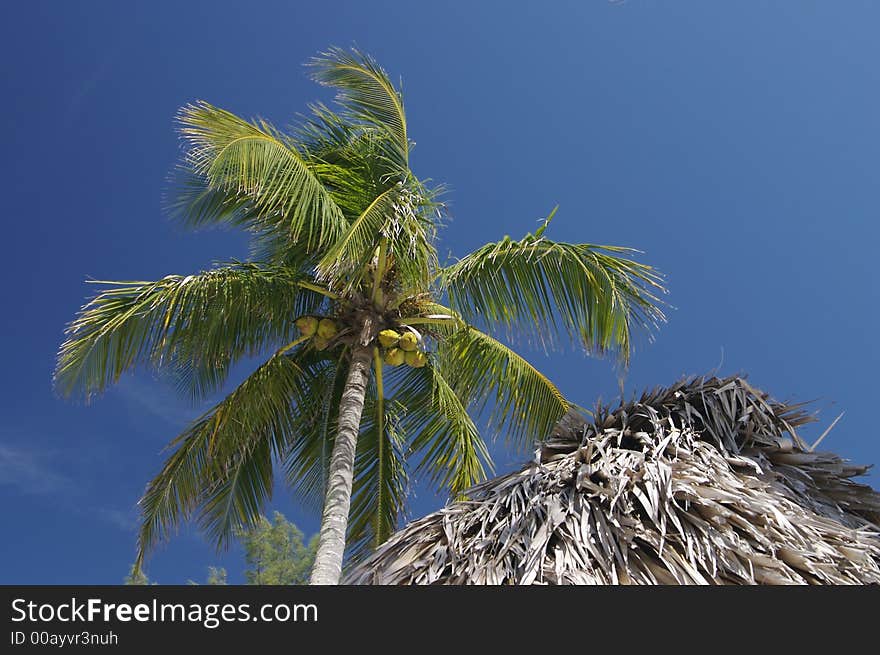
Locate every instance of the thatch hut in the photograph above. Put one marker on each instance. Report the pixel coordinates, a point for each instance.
(704, 482)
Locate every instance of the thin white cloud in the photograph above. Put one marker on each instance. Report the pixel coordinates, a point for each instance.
(30, 472)
(34, 472)
(86, 86)
(156, 398)
(124, 520)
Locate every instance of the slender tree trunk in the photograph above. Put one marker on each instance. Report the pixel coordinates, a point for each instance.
(334, 521)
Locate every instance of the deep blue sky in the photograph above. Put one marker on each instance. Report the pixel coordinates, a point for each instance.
(736, 144)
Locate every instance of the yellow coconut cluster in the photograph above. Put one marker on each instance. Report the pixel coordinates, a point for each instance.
(402, 348)
(321, 330)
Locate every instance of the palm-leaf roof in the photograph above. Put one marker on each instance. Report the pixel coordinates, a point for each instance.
(703, 482)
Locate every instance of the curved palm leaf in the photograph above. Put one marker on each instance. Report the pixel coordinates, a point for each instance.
(235, 496)
(223, 461)
(307, 460)
(538, 286)
(443, 436)
(195, 202)
(346, 260)
(390, 221)
(256, 162)
(411, 234)
(367, 94)
(525, 405)
(199, 324)
(347, 158)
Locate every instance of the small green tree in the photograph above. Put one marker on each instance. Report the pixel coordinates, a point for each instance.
(137, 577)
(276, 553)
(216, 575)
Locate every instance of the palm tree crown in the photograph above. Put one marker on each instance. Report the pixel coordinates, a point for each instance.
(378, 353)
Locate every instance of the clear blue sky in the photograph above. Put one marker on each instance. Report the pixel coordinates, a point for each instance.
(737, 144)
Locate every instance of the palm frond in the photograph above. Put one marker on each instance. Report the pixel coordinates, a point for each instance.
(411, 234)
(196, 324)
(348, 158)
(537, 287)
(347, 258)
(443, 437)
(306, 463)
(256, 164)
(326, 135)
(234, 501)
(390, 219)
(193, 201)
(524, 404)
(367, 94)
(223, 461)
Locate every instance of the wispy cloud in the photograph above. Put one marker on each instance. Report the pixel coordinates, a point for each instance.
(157, 399)
(36, 472)
(122, 519)
(30, 471)
(85, 86)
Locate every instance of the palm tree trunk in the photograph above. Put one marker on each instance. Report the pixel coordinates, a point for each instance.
(334, 521)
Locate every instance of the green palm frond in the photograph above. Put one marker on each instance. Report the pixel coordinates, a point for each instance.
(195, 202)
(368, 96)
(255, 162)
(197, 324)
(390, 221)
(352, 186)
(326, 135)
(443, 437)
(346, 259)
(307, 461)
(347, 158)
(537, 287)
(223, 461)
(411, 235)
(235, 498)
(525, 405)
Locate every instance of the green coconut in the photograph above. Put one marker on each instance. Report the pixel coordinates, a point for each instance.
(320, 343)
(308, 325)
(408, 341)
(394, 357)
(416, 358)
(327, 328)
(388, 338)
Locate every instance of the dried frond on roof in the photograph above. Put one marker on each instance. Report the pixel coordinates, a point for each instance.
(705, 482)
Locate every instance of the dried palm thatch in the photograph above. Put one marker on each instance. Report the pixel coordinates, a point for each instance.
(705, 482)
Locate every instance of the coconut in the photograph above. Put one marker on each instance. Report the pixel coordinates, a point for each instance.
(320, 342)
(308, 325)
(327, 328)
(394, 356)
(388, 338)
(408, 341)
(416, 358)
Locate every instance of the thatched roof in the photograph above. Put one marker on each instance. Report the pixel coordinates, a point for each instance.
(705, 482)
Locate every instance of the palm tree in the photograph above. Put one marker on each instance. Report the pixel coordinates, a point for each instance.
(343, 286)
